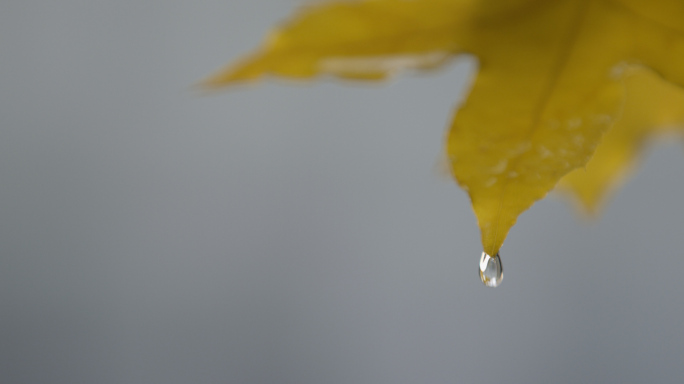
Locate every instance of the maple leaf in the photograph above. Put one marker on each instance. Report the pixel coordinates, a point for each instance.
(653, 108)
(550, 79)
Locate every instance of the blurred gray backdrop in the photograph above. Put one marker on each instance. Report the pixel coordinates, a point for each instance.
(283, 233)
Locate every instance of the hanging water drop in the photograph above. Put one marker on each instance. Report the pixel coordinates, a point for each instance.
(491, 270)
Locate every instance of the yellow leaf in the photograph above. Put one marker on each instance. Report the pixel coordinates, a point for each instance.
(549, 84)
(357, 39)
(653, 107)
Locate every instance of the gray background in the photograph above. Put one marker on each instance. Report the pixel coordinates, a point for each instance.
(289, 234)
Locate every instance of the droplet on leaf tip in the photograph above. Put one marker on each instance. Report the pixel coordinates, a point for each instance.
(491, 270)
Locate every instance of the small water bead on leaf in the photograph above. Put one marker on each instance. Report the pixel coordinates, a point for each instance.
(574, 123)
(491, 270)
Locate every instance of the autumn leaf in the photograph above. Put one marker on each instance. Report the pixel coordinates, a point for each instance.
(551, 78)
(653, 108)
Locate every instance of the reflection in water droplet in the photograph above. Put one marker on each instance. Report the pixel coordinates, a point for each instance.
(491, 270)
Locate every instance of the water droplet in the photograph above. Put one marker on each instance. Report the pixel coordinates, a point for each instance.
(544, 152)
(490, 182)
(578, 140)
(491, 270)
(574, 123)
(500, 167)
